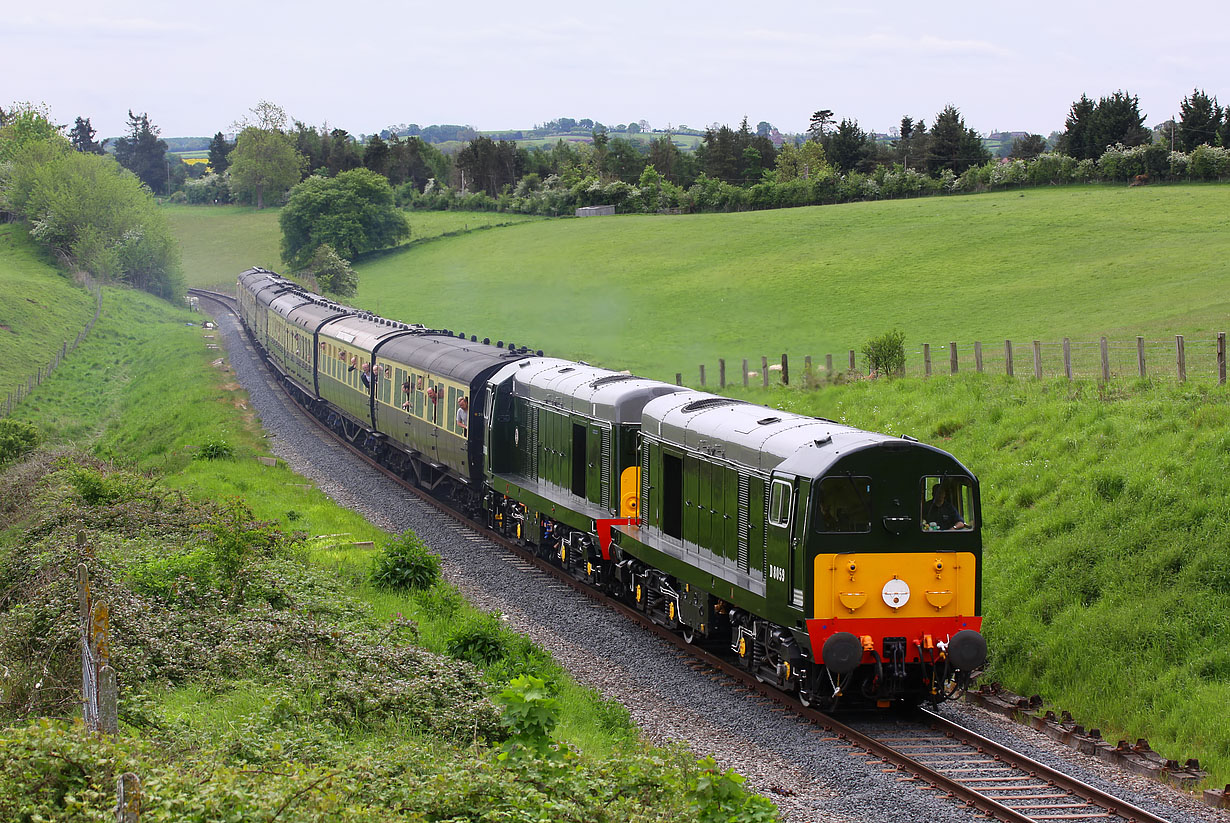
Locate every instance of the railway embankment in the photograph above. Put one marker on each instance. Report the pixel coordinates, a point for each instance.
(260, 673)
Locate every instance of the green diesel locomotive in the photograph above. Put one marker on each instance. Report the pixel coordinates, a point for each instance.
(841, 565)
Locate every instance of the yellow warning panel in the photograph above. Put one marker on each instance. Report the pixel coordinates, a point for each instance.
(630, 492)
(918, 584)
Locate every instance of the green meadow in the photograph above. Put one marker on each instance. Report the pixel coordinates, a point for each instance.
(661, 294)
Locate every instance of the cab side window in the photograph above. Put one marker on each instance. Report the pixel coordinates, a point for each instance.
(779, 503)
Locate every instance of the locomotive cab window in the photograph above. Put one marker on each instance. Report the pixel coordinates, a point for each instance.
(947, 503)
(843, 505)
(779, 503)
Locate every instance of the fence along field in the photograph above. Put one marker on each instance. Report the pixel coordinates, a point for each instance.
(1181, 359)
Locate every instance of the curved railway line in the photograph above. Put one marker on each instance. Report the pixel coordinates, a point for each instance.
(925, 747)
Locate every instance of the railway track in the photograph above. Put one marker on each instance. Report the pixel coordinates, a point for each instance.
(924, 746)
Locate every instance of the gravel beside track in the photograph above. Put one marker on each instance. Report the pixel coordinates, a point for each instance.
(810, 777)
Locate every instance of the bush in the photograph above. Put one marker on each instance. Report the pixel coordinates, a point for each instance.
(16, 439)
(214, 448)
(479, 641)
(406, 563)
(886, 354)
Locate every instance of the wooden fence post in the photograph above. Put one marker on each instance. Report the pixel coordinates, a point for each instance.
(852, 364)
(745, 372)
(1037, 359)
(108, 714)
(952, 357)
(785, 371)
(807, 363)
(678, 379)
(828, 365)
(128, 793)
(1180, 357)
(722, 372)
(702, 375)
(978, 356)
(927, 359)
(1221, 358)
(1008, 357)
(1105, 360)
(1140, 355)
(764, 370)
(1067, 358)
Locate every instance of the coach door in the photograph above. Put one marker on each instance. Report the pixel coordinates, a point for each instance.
(784, 562)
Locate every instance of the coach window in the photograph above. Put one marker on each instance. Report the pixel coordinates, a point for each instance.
(779, 503)
(843, 505)
(947, 503)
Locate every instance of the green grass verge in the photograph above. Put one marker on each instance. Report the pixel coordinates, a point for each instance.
(40, 308)
(1106, 510)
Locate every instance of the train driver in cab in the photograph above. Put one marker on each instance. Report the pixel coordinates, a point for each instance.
(940, 512)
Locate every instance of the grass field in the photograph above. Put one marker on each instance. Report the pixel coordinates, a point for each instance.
(218, 242)
(40, 308)
(660, 294)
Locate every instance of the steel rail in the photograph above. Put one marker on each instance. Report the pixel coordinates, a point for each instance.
(966, 794)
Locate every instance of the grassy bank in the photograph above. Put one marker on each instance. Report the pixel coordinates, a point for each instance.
(1106, 513)
(40, 308)
(222, 624)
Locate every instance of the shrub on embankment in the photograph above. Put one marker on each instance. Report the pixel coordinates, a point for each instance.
(1106, 514)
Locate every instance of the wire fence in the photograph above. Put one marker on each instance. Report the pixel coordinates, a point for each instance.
(25, 388)
(1180, 359)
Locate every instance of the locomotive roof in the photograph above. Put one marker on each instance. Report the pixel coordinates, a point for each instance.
(616, 397)
(761, 438)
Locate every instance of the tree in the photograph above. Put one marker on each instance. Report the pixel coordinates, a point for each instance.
(82, 137)
(486, 165)
(143, 153)
(87, 207)
(1091, 128)
(1116, 119)
(353, 212)
(219, 151)
(1028, 147)
(264, 163)
(1199, 120)
(764, 128)
(332, 273)
(376, 156)
(911, 142)
(1075, 139)
(849, 147)
(805, 162)
(819, 122)
(952, 145)
(24, 124)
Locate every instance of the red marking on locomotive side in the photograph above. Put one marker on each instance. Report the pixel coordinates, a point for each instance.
(603, 529)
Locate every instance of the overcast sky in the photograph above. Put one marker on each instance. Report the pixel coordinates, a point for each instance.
(366, 65)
